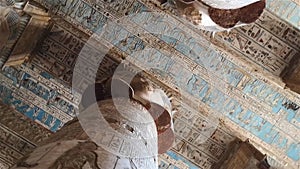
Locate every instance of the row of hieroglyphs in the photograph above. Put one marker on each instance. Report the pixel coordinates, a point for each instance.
(18, 135)
(238, 93)
(59, 51)
(209, 151)
(41, 89)
(274, 61)
(286, 10)
(268, 42)
(257, 90)
(27, 99)
(205, 153)
(83, 13)
(12, 147)
(40, 95)
(22, 126)
(200, 139)
(171, 160)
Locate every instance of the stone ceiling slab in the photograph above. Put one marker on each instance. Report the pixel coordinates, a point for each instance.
(206, 76)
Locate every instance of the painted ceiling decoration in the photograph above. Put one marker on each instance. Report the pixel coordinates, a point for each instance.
(17, 138)
(139, 128)
(234, 76)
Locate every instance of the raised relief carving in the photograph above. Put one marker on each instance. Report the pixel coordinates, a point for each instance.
(22, 125)
(33, 30)
(78, 157)
(18, 135)
(58, 63)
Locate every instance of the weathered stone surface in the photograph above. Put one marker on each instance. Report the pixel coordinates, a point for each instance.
(224, 82)
(18, 135)
(34, 31)
(17, 20)
(292, 76)
(243, 155)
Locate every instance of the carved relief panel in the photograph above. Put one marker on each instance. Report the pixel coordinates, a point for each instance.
(18, 136)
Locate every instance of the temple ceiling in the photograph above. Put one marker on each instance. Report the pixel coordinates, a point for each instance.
(234, 76)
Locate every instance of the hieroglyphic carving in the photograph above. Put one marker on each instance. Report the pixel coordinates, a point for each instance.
(173, 160)
(22, 125)
(18, 135)
(28, 104)
(200, 132)
(218, 64)
(193, 154)
(182, 81)
(53, 96)
(274, 68)
(9, 154)
(207, 99)
(48, 80)
(16, 142)
(268, 46)
(59, 52)
(287, 10)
